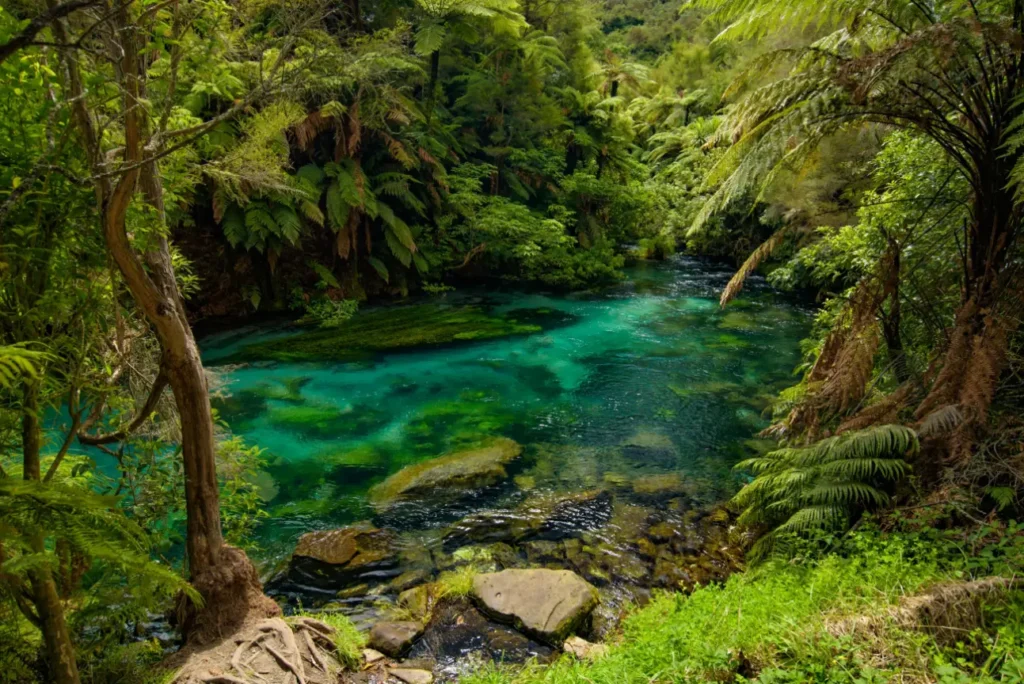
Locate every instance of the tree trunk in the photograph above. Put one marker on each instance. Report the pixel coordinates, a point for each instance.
(892, 319)
(30, 431)
(60, 653)
(223, 575)
(357, 15)
(435, 68)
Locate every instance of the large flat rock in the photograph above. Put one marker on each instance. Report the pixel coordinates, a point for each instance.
(448, 476)
(546, 604)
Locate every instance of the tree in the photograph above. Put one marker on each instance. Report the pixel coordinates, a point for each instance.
(444, 19)
(951, 72)
(140, 56)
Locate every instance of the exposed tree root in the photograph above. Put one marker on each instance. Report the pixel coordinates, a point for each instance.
(268, 651)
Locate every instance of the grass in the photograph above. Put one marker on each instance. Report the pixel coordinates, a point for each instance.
(348, 640)
(777, 624)
(455, 583)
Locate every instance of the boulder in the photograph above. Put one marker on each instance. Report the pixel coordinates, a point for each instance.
(394, 638)
(448, 476)
(546, 604)
(411, 676)
(336, 557)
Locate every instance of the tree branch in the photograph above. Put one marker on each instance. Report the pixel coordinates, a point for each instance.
(28, 34)
(159, 383)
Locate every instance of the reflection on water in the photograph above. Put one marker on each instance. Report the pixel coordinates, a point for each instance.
(649, 380)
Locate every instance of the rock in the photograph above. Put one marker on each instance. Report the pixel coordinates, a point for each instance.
(371, 656)
(649, 439)
(409, 579)
(545, 516)
(410, 676)
(458, 633)
(416, 600)
(448, 476)
(330, 557)
(583, 649)
(394, 638)
(546, 604)
(666, 485)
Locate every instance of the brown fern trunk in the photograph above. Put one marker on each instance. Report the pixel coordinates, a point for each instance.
(975, 351)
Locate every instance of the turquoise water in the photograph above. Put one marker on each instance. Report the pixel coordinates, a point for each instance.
(651, 377)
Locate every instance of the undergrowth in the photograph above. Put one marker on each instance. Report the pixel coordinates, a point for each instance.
(777, 622)
(348, 640)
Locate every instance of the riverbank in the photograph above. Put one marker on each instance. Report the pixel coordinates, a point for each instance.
(906, 606)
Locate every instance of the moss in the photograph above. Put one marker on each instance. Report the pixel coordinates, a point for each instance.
(326, 421)
(387, 329)
(450, 474)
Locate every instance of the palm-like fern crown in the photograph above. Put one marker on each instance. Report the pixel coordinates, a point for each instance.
(948, 70)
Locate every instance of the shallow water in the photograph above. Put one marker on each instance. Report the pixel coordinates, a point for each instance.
(648, 378)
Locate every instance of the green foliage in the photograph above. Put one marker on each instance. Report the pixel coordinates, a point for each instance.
(797, 490)
(778, 623)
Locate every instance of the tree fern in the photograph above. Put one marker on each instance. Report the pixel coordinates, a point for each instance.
(81, 531)
(18, 362)
(824, 485)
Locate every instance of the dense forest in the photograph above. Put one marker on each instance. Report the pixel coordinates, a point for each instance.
(349, 169)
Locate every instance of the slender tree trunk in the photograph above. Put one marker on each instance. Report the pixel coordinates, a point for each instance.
(435, 68)
(357, 15)
(892, 319)
(30, 431)
(60, 652)
(222, 574)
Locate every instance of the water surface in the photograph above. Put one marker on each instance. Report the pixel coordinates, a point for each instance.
(651, 377)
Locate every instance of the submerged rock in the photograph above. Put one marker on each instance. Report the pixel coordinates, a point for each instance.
(448, 476)
(394, 638)
(546, 604)
(545, 516)
(340, 556)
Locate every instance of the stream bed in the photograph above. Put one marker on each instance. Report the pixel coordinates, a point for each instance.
(626, 410)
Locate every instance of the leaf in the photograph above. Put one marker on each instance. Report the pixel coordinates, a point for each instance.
(429, 39)
(381, 269)
(337, 207)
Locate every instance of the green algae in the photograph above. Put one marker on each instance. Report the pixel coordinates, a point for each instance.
(390, 329)
(324, 421)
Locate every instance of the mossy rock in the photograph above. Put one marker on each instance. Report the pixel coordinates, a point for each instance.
(387, 329)
(343, 556)
(448, 476)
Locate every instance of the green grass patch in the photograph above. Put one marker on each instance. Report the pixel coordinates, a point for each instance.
(772, 624)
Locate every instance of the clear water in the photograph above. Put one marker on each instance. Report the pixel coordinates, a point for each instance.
(651, 377)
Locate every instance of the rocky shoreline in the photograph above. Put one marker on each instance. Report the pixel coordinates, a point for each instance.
(555, 573)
